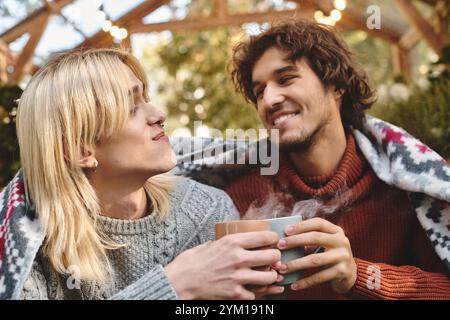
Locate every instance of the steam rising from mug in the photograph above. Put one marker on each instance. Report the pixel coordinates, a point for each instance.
(274, 206)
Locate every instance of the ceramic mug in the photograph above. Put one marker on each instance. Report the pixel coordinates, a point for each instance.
(277, 225)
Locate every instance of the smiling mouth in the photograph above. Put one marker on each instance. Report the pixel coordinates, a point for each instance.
(284, 117)
(159, 136)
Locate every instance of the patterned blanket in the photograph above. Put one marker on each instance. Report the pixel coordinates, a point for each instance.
(396, 157)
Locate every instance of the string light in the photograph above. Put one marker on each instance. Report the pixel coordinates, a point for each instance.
(107, 24)
(327, 20)
(336, 15)
(121, 34)
(318, 15)
(340, 4)
(114, 31)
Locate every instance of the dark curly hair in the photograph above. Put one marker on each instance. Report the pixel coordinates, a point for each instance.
(326, 53)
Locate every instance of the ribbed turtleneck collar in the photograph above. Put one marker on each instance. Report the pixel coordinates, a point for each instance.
(350, 180)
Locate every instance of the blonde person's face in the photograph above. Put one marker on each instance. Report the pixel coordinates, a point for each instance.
(142, 149)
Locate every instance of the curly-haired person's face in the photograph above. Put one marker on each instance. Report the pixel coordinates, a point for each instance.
(141, 149)
(290, 97)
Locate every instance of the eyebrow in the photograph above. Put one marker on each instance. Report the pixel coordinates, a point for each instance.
(135, 88)
(287, 68)
(277, 72)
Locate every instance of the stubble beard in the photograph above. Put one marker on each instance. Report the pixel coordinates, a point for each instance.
(304, 141)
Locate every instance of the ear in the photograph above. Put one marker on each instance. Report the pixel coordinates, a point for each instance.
(337, 96)
(87, 159)
(338, 93)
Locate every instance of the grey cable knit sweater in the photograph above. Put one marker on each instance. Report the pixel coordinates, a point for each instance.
(138, 271)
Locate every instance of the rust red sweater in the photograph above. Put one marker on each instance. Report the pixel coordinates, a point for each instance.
(395, 259)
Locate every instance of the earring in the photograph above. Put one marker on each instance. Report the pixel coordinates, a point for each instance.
(95, 166)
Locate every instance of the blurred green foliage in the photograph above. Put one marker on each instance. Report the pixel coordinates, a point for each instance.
(9, 149)
(197, 85)
(426, 113)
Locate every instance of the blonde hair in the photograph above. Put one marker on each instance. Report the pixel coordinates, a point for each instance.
(76, 100)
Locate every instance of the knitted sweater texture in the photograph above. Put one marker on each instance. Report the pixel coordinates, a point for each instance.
(138, 268)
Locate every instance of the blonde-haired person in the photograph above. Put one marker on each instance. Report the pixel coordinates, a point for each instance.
(95, 160)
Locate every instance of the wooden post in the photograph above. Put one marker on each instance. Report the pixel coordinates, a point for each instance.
(220, 8)
(5, 59)
(400, 61)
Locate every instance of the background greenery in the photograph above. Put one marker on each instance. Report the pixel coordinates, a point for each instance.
(426, 113)
(9, 155)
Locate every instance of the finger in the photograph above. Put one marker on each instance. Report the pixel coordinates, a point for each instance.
(252, 240)
(313, 249)
(313, 261)
(309, 239)
(261, 289)
(258, 258)
(314, 224)
(244, 294)
(253, 277)
(314, 280)
(277, 265)
(268, 290)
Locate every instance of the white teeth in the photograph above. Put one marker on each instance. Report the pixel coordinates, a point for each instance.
(284, 117)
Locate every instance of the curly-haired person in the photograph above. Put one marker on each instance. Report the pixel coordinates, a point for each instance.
(304, 82)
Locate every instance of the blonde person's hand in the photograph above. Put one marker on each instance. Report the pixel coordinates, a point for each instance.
(336, 263)
(222, 269)
(262, 291)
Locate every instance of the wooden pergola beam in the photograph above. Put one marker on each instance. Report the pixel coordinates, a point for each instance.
(24, 26)
(350, 20)
(37, 28)
(400, 61)
(5, 60)
(429, 2)
(102, 38)
(434, 40)
(197, 23)
(353, 20)
(35, 25)
(410, 39)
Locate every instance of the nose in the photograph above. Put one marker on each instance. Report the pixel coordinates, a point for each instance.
(155, 116)
(272, 96)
